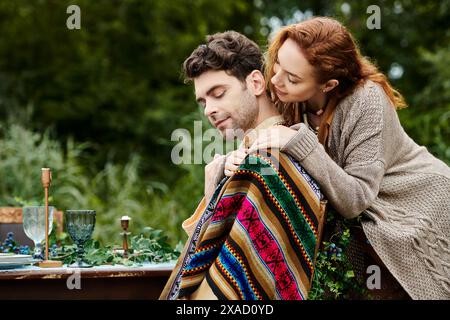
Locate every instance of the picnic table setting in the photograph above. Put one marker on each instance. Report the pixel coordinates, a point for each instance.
(142, 263)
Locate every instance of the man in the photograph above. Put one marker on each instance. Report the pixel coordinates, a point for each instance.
(255, 235)
(233, 96)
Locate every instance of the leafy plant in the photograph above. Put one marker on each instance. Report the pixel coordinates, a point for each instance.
(334, 277)
(148, 246)
(22, 155)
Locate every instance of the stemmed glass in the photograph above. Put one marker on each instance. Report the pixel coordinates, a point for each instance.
(80, 225)
(33, 219)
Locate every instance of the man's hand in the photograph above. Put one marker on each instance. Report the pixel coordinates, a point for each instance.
(213, 175)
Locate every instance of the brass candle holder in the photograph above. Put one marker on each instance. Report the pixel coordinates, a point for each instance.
(46, 179)
(124, 223)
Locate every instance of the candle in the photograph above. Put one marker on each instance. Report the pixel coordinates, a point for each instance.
(46, 179)
(124, 223)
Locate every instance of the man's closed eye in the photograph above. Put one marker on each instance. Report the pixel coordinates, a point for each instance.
(219, 94)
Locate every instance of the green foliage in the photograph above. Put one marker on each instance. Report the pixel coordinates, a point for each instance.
(118, 191)
(334, 277)
(113, 192)
(432, 126)
(116, 81)
(23, 153)
(148, 246)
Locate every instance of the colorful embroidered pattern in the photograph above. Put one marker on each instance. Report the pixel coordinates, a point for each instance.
(261, 239)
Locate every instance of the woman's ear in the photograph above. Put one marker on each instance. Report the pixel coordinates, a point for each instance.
(330, 85)
(255, 81)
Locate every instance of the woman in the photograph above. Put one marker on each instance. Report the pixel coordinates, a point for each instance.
(349, 138)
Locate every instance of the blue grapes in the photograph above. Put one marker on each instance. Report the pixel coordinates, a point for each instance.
(53, 250)
(334, 250)
(24, 250)
(10, 246)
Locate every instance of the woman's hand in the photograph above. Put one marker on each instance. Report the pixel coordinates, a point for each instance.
(233, 160)
(275, 137)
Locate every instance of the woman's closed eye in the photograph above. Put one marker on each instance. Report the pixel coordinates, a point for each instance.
(289, 77)
(292, 81)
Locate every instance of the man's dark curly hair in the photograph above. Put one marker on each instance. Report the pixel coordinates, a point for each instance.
(229, 51)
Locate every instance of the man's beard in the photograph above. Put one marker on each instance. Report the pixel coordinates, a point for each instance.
(245, 117)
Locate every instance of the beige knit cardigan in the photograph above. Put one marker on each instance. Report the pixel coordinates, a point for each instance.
(374, 168)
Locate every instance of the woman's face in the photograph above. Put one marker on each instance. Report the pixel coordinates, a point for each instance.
(293, 75)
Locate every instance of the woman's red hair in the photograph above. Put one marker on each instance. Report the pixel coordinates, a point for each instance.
(331, 50)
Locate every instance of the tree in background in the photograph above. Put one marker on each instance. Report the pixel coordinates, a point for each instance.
(116, 81)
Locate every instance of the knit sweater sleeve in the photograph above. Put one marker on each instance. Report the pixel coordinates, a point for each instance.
(352, 188)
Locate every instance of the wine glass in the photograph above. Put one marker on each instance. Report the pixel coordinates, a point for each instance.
(33, 219)
(80, 225)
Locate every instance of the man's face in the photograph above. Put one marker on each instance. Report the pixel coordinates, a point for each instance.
(227, 102)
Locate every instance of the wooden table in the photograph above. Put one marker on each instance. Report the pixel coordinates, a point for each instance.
(102, 282)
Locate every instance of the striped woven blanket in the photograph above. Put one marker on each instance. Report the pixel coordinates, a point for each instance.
(257, 238)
